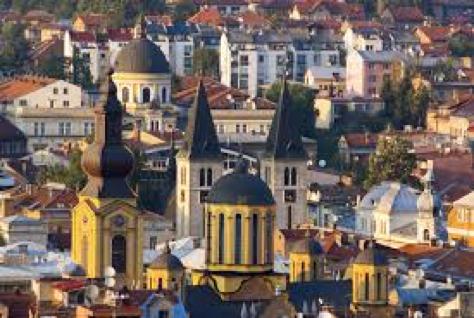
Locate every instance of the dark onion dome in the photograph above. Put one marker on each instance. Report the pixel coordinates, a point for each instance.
(240, 187)
(308, 245)
(371, 256)
(141, 56)
(167, 261)
(74, 270)
(107, 161)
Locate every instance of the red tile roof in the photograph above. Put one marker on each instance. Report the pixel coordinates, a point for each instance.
(93, 20)
(437, 33)
(358, 140)
(252, 19)
(67, 285)
(407, 14)
(77, 36)
(217, 94)
(119, 35)
(19, 86)
(208, 16)
(457, 263)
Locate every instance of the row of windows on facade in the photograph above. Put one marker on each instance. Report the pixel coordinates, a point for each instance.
(146, 95)
(221, 129)
(301, 59)
(238, 241)
(52, 103)
(64, 128)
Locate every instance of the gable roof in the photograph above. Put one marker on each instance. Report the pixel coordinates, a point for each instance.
(284, 139)
(201, 138)
(209, 16)
(20, 86)
(407, 14)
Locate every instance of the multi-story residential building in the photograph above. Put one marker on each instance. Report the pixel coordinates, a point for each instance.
(250, 60)
(316, 10)
(176, 43)
(47, 111)
(367, 70)
(96, 53)
(460, 220)
(401, 41)
(363, 37)
(326, 80)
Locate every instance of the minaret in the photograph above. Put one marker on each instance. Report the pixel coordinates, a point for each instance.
(107, 161)
(284, 164)
(199, 164)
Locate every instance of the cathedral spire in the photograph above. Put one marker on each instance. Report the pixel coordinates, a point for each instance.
(201, 138)
(284, 140)
(107, 161)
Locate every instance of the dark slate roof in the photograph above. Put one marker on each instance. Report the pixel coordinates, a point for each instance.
(335, 293)
(201, 138)
(141, 56)
(284, 140)
(240, 187)
(371, 256)
(9, 132)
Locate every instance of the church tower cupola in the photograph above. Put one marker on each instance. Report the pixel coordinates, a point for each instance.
(107, 161)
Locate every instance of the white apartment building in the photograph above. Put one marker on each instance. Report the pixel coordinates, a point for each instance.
(248, 61)
(176, 43)
(95, 52)
(48, 111)
(363, 39)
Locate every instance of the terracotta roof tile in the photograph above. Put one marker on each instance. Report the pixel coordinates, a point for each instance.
(119, 35)
(19, 86)
(361, 140)
(437, 33)
(407, 14)
(208, 16)
(77, 36)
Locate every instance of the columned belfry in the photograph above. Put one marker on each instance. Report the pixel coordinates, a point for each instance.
(284, 164)
(199, 164)
(106, 225)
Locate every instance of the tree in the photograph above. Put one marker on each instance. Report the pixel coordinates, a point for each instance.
(392, 160)
(81, 73)
(461, 45)
(72, 176)
(303, 101)
(53, 67)
(184, 9)
(205, 62)
(14, 51)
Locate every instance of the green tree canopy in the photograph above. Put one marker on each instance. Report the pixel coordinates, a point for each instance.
(303, 101)
(461, 45)
(206, 62)
(72, 176)
(52, 67)
(14, 51)
(392, 160)
(184, 9)
(81, 73)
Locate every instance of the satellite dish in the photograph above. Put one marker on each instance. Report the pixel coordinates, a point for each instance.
(322, 163)
(109, 271)
(91, 294)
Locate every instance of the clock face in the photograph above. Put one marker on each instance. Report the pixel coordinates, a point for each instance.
(119, 221)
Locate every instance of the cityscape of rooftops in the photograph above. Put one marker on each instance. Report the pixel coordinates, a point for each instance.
(237, 159)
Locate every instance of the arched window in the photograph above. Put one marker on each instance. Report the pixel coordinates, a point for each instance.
(221, 238)
(146, 95)
(426, 235)
(289, 217)
(293, 176)
(202, 177)
(209, 177)
(238, 239)
(302, 271)
(269, 238)
(255, 239)
(164, 95)
(125, 95)
(379, 286)
(119, 254)
(366, 285)
(287, 176)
